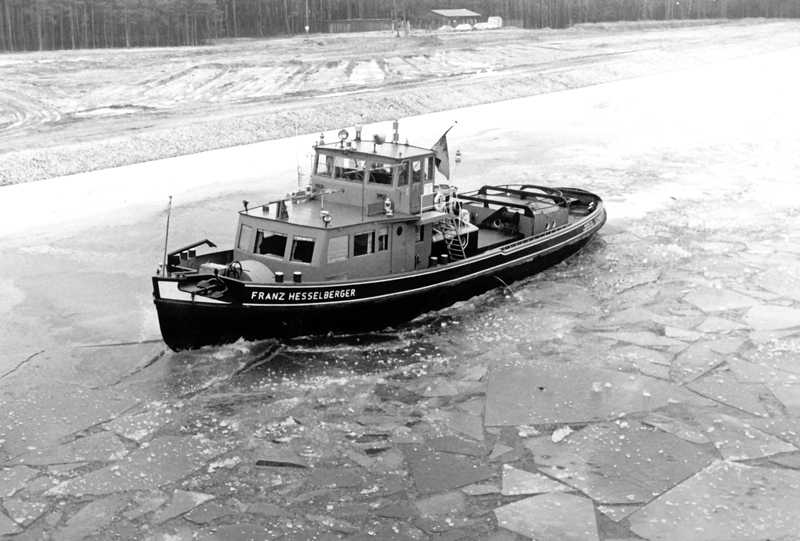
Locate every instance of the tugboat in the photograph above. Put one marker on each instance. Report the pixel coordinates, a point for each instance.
(371, 241)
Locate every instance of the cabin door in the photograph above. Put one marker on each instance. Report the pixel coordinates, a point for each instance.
(399, 247)
(418, 178)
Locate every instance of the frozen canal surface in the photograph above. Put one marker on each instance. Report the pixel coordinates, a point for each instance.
(648, 388)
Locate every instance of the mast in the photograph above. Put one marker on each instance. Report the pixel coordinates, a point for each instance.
(166, 239)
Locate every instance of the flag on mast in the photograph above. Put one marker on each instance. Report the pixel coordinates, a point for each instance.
(442, 157)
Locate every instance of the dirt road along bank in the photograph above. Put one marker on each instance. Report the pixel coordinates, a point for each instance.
(68, 112)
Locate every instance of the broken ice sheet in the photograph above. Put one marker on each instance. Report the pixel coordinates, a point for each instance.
(560, 296)
(747, 372)
(14, 478)
(456, 445)
(100, 447)
(676, 427)
(279, 455)
(550, 517)
(716, 300)
(480, 490)
(462, 422)
(696, 360)
(619, 463)
(723, 387)
(165, 460)
(439, 472)
(783, 280)
(714, 324)
(8, 526)
(182, 502)
(788, 395)
(96, 366)
(439, 387)
(38, 412)
(538, 325)
(209, 512)
(781, 354)
(25, 511)
(787, 429)
(772, 318)
(92, 517)
(531, 392)
(642, 338)
(618, 512)
(140, 426)
(724, 501)
(516, 481)
(739, 440)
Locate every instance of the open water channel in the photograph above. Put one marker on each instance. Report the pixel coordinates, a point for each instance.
(647, 388)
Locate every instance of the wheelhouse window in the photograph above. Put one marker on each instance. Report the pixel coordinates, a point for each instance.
(417, 171)
(347, 168)
(380, 173)
(245, 233)
(302, 249)
(338, 248)
(383, 239)
(324, 165)
(420, 233)
(364, 243)
(402, 174)
(271, 243)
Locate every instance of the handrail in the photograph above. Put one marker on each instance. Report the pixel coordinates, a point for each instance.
(194, 245)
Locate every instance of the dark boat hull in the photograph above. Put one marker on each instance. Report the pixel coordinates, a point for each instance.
(263, 311)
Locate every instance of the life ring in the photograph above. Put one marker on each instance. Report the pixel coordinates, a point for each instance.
(439, 202)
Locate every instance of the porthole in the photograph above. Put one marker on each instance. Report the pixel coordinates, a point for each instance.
(399, 230)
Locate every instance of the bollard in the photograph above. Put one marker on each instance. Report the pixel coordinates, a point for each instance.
(444, 259)
(279, 277)
(433, 261)
(298, 277)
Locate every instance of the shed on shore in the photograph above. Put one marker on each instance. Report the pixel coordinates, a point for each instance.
(454, 17)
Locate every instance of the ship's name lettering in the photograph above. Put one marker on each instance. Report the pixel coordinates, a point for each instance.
(299, 296)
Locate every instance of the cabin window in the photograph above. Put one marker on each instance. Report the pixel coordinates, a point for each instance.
(346, 168)
(363, 243)
(416, 171)
(380, 173)
(338, 248)
(324, 165)
(302, 249)
(420, 233)
(402, 174)
(244, 237)
(271, 243)
(383, 239)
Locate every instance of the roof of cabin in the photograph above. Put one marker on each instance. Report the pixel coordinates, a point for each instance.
(307, 213)
(387, 150)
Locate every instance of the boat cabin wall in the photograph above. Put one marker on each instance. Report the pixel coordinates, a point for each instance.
(366, 250)
(280, 246)
(368, 180)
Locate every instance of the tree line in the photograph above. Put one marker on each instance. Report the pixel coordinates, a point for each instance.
(27, 25)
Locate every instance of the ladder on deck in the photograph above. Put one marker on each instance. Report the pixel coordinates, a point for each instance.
(456, 245)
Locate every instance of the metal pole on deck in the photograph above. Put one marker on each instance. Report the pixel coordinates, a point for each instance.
(166, 239)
